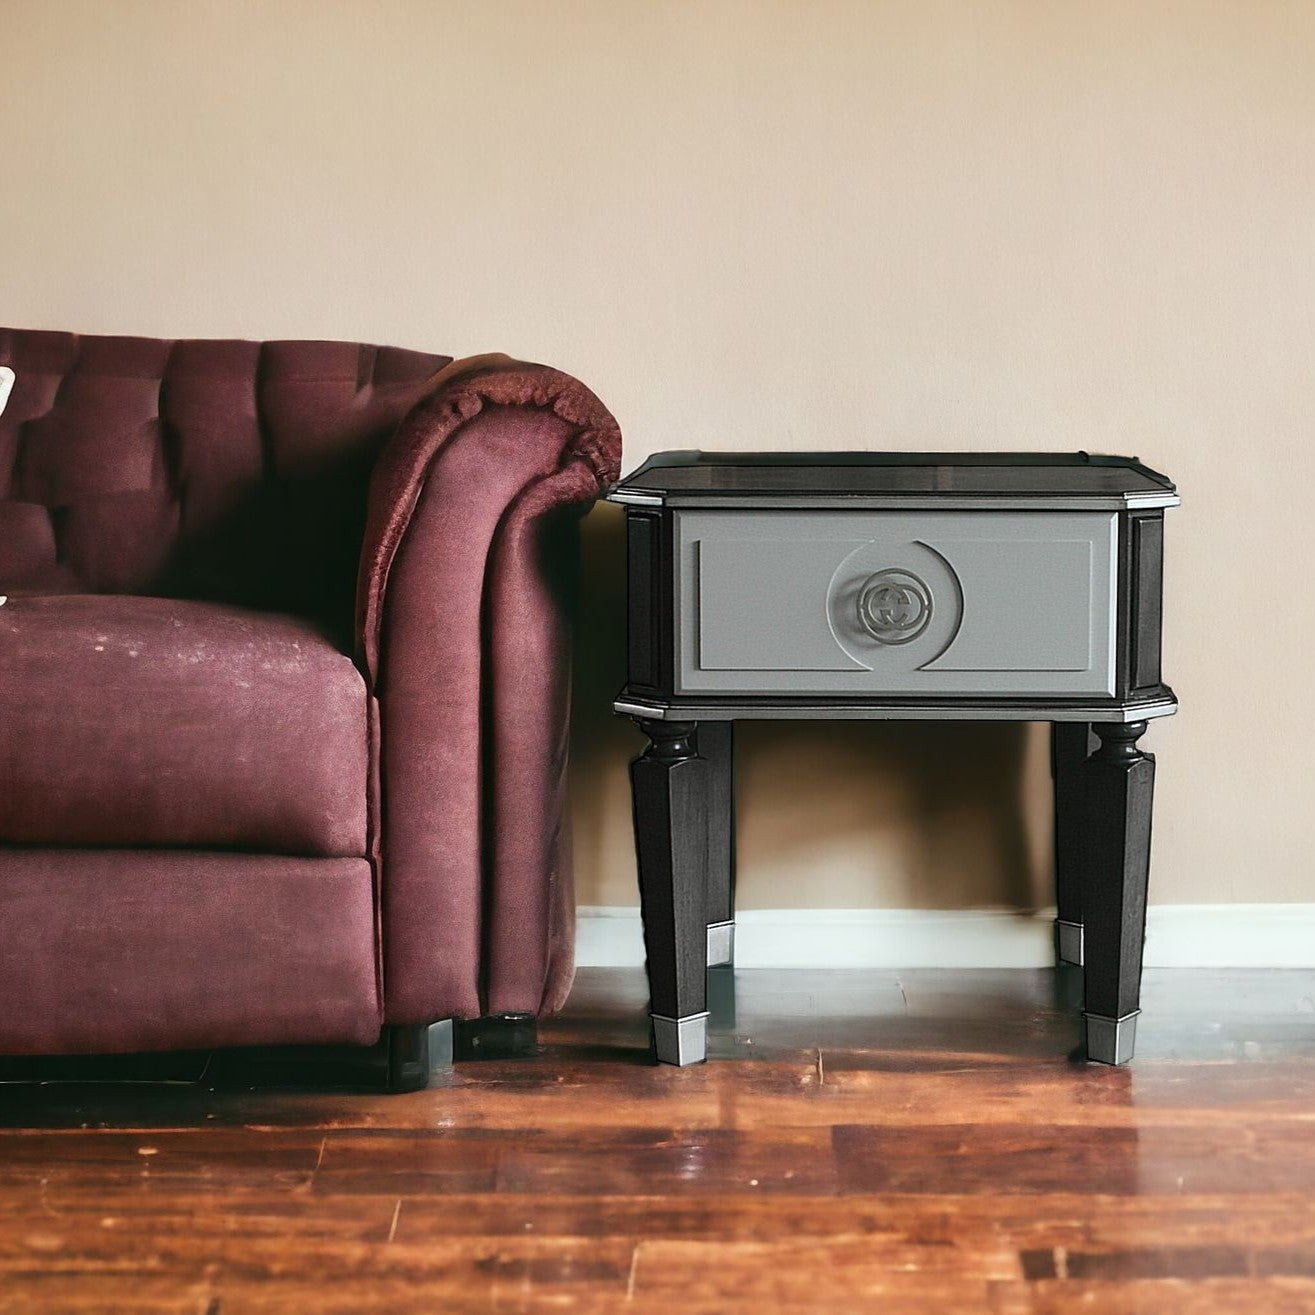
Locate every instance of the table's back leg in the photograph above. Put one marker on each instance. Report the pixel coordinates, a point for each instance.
(1120, 782)
(670, 787)
(716, 746)
(1071, 744)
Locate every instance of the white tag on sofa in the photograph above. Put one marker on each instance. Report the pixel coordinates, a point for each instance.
(6, 383)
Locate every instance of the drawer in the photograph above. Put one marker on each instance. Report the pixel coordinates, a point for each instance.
(896, 603)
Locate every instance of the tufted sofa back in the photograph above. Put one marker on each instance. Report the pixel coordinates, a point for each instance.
(223, 470)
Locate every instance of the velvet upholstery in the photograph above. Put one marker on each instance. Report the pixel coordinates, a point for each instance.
(474, 689)
(112, 950)
(213, 507)
(147, 721)
(231, 471)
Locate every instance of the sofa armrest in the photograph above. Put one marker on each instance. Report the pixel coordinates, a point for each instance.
(467, 572)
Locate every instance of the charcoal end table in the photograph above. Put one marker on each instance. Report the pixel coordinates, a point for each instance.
(916, 586)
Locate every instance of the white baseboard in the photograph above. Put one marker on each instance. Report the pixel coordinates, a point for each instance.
(1177, 936)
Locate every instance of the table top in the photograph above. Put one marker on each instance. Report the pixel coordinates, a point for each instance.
(908, 480)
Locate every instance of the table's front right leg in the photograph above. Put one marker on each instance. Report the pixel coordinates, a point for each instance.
(1119, 788)
(670, 785)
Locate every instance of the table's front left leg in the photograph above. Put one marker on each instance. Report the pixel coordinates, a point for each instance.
(1120, 782)
(670, 786)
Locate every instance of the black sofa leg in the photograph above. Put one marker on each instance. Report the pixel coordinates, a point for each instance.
(498, 1036)
(417, 1051)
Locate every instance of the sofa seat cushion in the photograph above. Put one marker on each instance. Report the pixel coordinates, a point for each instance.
(129, 949)
(151, 722)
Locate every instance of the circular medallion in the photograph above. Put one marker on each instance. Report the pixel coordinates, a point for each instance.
(894, 607)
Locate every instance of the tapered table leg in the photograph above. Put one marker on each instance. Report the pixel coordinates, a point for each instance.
(1071, 744)
(1120, 782)
(671, 794)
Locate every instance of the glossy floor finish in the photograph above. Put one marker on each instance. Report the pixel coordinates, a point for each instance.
(905, 1142)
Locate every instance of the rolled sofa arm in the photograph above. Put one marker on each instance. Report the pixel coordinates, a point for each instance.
(463, 601)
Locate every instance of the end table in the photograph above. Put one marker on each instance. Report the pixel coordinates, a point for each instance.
(919, 586)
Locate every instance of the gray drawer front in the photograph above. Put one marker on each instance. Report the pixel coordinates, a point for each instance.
(932, 603)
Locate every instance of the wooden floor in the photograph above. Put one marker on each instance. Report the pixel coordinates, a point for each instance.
(860, 1141)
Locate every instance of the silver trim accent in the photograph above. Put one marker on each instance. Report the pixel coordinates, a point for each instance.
(963, 710)
(440, 1039)
(1111, 1040)
(1068, 942)
(940, 502)
(721, 943)
(680, 1041)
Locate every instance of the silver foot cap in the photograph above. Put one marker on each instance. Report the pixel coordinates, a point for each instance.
(1068, 942)
(680, 1041)
(721, 943)
(1111, 1040)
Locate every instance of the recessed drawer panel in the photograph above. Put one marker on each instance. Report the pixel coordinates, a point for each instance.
(932, 603)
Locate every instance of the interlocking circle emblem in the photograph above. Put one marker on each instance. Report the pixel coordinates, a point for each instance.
(894, 607)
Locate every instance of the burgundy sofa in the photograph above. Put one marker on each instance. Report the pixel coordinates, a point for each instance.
(284, 680)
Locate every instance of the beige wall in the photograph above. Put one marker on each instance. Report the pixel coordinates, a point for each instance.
(1026, 224)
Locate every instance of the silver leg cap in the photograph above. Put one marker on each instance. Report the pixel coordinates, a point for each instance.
(1111, 1040)
(1068, 942)
(721, 943)
(680, 1041)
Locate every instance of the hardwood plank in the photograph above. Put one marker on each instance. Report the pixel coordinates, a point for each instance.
(200, 1158)
(436, 1263)
(1033, 1222)
(607, 1161)
(842, 1273)
(828, 1087)
(1041, 1158)
(683, 1161)
(1279, 1296)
